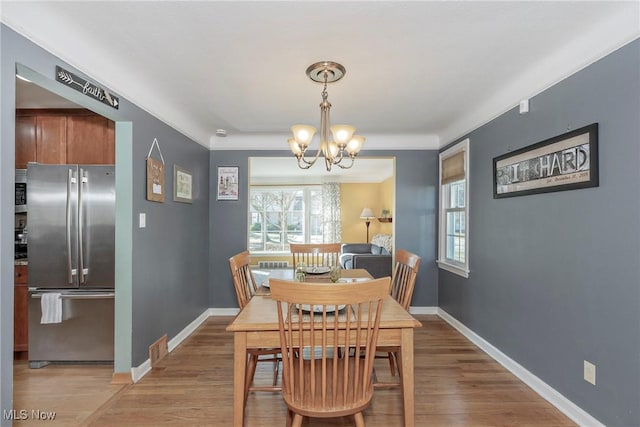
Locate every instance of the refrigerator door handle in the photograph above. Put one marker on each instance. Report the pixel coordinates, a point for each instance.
(70, 270)
(107, 295)
(81, 181)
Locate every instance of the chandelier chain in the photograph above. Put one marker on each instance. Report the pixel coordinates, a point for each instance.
(325, 94)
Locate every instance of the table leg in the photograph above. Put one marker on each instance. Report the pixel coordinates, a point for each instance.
(406, 371)
(239, 374)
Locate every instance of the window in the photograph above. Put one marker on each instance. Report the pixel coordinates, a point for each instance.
(453, 248)
(279, 216)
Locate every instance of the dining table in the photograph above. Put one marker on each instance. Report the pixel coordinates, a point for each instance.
(256, 326)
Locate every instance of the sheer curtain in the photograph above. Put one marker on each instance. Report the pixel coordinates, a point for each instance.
(331, 222)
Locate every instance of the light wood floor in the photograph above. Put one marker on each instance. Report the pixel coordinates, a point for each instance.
(456, 385)
(72, 392)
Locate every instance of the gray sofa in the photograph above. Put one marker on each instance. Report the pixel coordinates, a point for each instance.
(373, 258)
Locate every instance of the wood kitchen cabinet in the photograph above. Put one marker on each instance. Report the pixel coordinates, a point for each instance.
(20, 309)
(25, 140)
(60, 136)
(90, 140)
(51, 137)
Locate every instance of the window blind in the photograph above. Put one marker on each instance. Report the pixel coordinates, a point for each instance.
(453, 168)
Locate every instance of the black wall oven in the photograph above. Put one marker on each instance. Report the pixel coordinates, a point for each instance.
(20, 237)
(21, 190)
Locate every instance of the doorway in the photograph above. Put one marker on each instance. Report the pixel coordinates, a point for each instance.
(45, 94)
(370, 184)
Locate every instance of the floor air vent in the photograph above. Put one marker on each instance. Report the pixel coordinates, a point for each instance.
(273, 264)
(158, 350)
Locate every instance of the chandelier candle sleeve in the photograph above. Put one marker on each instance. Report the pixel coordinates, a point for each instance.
(343, 142)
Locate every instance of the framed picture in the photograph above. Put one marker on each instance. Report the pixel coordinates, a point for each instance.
(227, 183)
(155, 180)
(565, 162)
(182, 185)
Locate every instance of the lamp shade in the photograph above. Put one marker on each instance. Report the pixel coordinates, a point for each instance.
(354, 146)
(342, 134)
(295, 148)
(367, 213)
(303, 134)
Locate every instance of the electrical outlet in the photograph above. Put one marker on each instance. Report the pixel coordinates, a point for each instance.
(590, 372)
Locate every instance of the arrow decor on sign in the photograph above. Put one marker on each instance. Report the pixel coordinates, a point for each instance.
(86, 87)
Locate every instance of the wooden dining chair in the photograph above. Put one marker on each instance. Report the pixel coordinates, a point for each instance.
(246, 287)
(316, 254)
(402, 285)
(320, 379)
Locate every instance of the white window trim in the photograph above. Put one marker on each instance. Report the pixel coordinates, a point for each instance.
(457, 268)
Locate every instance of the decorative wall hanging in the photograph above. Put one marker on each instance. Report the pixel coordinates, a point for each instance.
(86, 87)
(155, 175)
(565, 162)
(227, 183)
(182, 185)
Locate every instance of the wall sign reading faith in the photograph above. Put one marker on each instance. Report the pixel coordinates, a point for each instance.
(565, 162)
(86, 87)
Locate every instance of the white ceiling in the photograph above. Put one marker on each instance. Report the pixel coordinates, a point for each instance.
(419, 73)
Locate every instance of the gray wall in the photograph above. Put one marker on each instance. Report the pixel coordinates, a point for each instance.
(555, 278)
(415, 218)
(170, 269)
(170, 274)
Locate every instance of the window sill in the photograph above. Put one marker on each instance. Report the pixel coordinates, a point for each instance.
(460, 271)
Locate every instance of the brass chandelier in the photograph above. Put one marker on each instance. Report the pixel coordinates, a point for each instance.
(344, 143)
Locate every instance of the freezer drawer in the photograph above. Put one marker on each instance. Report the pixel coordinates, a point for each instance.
(84, 335)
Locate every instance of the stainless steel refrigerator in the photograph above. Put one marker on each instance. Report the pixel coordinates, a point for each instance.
(71, 220)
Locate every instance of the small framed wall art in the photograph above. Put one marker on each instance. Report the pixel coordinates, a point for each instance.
(227, 183)
(565, 162)
(155, 175)
(182, 185)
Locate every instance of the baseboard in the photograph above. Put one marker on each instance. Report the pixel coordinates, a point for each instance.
(223, 311)
(188, 330)
(423, 310)
(567, 407)
(140, 371)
